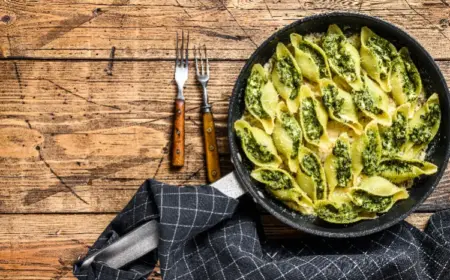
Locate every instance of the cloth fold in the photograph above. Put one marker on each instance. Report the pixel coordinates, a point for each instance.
(207, 235)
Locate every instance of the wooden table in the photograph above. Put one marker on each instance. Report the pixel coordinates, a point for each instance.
(78, 138)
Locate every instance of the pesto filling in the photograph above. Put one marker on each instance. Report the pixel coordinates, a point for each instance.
(258, 151)
(372, 203)
(395, 136)
(253, 94)
(369, 155)
(332, 101)
(334, 47)
(292, 128)
(311, 166)
(410, 78)
(313, 128)
(382, 50)
(345, 213)
(276, 180)
(423, 133)
(288, 75)
(343, 163)
(365, 102)
(395, 165)
(317, 57)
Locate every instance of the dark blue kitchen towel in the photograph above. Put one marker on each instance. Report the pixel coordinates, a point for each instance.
(204, 235)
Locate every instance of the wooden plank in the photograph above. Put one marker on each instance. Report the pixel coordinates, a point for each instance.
(231, 29)
(46, 246)
(35, 247)
(74, 139)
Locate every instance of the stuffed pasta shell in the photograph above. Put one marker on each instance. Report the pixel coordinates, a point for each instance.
(376, 194)
(340, 105)
(394, 137)
(373, 101)
(311, 59)
(405, 79)
(287, 136)
(366, 151)
(343, 57)
(311, 176)
(257, 145)
(338, 164)
(287, 77)
(400, 169)
(282, 185)
(424, 126)
(313, 118)
(377, 56)
(339, 209)
(261, 98)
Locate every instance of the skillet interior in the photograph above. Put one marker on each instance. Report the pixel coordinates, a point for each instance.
(438, 152)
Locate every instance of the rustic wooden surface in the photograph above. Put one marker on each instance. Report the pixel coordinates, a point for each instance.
(77, 138)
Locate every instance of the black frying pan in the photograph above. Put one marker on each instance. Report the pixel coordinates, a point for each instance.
(145, 238)
(438, 153)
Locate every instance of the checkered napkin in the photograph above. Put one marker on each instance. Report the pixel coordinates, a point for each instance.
(207, 235)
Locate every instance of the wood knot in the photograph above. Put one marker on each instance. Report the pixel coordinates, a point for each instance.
(6, 19)
(444, 23)
(96, 12)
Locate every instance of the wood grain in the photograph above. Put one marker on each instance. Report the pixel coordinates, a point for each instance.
(232, 29)
(35, 247)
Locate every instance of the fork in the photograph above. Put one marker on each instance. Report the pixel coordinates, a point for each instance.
(181, 75)
(209, 131)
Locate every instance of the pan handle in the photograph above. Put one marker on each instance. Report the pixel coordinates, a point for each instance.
(144, 239)
(229, 185)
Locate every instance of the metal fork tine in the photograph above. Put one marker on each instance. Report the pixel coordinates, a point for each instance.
(176, 50)
(182, 48)
(196, 62)
(207, 61)
(187, 51)
(201, 60)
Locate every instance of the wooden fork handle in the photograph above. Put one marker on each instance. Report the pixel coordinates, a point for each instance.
(212, 155)
(178, 134)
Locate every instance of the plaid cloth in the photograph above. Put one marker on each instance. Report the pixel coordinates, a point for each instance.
(205, 235)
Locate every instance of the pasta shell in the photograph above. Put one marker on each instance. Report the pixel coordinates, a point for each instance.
(257, 145)
(287, 77)
(287, 136)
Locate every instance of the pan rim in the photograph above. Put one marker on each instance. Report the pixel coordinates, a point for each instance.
(249, 186)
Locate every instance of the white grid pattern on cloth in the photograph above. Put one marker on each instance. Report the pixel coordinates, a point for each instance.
(198, 241)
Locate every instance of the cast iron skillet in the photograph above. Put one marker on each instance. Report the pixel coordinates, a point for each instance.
(438, 153)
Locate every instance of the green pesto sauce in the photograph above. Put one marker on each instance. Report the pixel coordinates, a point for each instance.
(381, 49)
(423, 133)
(276, 180)
(312, 125)
(332, 101)
(364, 101)
(253, 95)
(395, 165)
(395, 136)
(334, 47)
(311, 167)
(372, 203)
(288, 75)
(344, 214)
(343, 163)
(293, 129)
(410, 78)
(258, 151)
(318, 58)
(369, 155)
